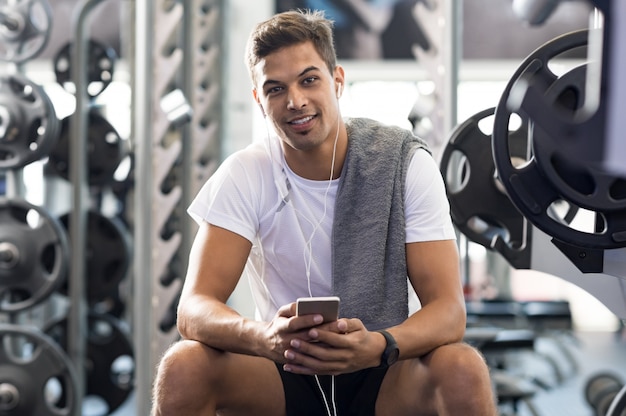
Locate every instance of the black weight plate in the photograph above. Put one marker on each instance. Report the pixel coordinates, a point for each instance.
(36, 376)
(33, 255)
(527, 185)
(26, 29)
(100, 67)
(478, 204)
(109, 359)
(29, 127)
(108, 254)
(584, 184)
(104, 151)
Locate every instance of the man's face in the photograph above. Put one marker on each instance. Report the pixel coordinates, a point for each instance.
(299, 96)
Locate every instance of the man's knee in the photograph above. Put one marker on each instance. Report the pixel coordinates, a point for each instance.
(459, 365)
(184, 376)
(462, 379)
(187, 362)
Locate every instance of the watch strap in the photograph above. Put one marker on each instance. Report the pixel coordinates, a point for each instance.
(390, 353)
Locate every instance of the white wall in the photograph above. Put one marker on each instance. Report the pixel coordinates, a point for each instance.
(241, 17)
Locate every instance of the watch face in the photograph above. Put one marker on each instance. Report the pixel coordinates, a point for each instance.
(391, 353)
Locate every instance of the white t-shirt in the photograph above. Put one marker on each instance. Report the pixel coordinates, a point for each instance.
(291, 241)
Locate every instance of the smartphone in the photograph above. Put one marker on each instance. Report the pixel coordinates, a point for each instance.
(327, 306)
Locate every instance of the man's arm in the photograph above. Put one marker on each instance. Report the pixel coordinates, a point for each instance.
(216, 262)
(433, 269)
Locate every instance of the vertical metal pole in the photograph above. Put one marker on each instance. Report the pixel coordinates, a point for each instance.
(143, 271)
(452, 53)
(452, 56)
(77, 319)
(615, 144)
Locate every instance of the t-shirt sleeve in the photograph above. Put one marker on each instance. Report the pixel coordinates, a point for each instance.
(427, 210)
(227, 199)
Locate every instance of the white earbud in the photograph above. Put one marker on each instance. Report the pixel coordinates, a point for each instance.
(339, 90)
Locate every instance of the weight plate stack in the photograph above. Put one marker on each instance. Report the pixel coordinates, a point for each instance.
(109, 360)
(547, 178)
(25, 27)
(108, 254)
(29, 127)
(34, 255)
(36, 376)
(104, 151)
(100, 67)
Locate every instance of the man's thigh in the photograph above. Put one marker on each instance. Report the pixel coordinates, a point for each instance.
(405, 390)
(450, 375)
(248, 385)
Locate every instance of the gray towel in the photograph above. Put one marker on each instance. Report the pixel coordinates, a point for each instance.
(369, 256)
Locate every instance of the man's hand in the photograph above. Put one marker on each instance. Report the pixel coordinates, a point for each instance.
(286, 327)
(335, 348)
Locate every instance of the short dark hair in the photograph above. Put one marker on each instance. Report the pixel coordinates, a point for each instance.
(291, 28)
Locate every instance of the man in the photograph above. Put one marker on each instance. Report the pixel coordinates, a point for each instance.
(328, 207)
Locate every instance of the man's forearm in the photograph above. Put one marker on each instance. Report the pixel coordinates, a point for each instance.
(217, 325)
(436, 324)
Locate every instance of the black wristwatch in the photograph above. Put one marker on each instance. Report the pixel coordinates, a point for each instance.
(390, 353)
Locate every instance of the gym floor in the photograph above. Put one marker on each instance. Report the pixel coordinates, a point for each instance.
(593, 352)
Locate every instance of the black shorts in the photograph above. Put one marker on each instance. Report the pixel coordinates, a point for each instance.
(355, 393)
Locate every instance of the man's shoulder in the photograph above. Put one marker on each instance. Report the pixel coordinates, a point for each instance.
(254, 154)
(380, 137)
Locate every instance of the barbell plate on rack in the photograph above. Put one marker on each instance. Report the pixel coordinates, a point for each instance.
(33, 255)
(100, 67)
(29, 127)
(109, 362)
(104, 150)
(527, 185)
(108, 254)
(25, 27)
(36, 376)
(479, 205)
(584, 184)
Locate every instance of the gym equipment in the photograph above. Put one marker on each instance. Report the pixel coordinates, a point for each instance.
(100, 63)
(33, 255)
(109, 359)
(572, 132)
(600, 391)
(586, 186)
(599, 272)
(534, 12)
(108, 254)
(24, 29)
(543, 180)
(29, 127)
(168, 320)
(478, 204)
(36, 377)
(104, 153)
(514, 392)
(496, 343)
(618, 405)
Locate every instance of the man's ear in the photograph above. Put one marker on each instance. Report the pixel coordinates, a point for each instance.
(339, 76)
(258, 101)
